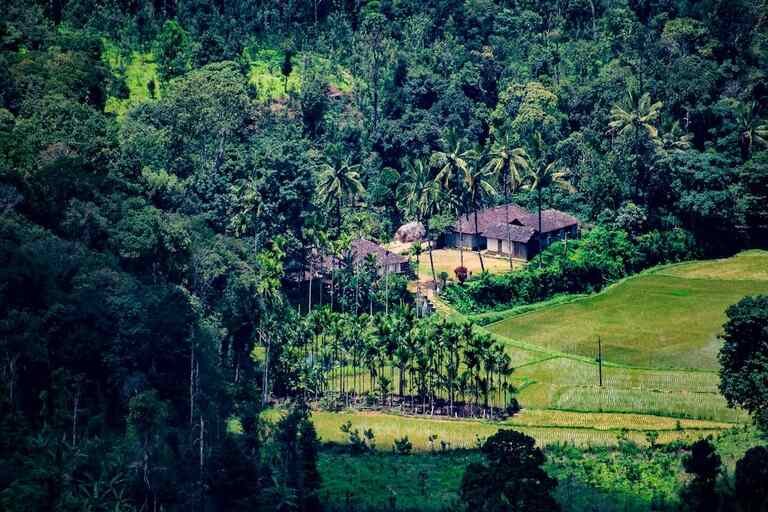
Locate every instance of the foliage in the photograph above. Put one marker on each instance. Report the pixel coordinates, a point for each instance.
(159, 203)
(704, 465)
(602, 256)
(743, 357)
(512, 479)
(402, 446)
(750, 478)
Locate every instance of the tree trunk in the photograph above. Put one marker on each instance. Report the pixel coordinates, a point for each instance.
(509, 228)
(479, 253)
(265, 380)
(539, 233)
(386, 287)
(201, 485)
(309, 298)
(432, 264)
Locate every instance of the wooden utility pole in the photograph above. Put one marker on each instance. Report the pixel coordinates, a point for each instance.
(600, 360)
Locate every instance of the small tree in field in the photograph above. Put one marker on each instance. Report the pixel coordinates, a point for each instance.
(512, 480)
(744, 358)
(703, 464)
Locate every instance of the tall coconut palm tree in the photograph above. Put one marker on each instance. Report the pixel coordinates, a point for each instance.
(542, 174)
(631, 119)
(339, 182)
(478, 187)
(508, 164)
(452, 162)
(422, 195)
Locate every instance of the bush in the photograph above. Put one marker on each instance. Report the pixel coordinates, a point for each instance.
(403, 446)
(359, 444)
(600, 258)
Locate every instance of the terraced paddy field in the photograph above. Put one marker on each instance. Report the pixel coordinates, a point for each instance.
(659, 333)
(547, 427)
(664, 318)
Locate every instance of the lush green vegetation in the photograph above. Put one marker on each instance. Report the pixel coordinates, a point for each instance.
(173, 173)
(663, 319)
(602, 256)
(619, 478)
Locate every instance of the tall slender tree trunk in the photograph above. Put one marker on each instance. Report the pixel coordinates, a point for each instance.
(506, 219)
(541, 249)
(265, 377)
(479, 252)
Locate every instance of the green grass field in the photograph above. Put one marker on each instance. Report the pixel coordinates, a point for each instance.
(265, 72)
(563, 383)
(138, 70)
(429, 480)
(547, 427)
(660, 338)
(664, 319)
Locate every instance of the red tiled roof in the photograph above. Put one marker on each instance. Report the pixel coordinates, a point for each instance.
(551, 220)
(490, 220)
(361, 248)
(516, 233)
(488, 217)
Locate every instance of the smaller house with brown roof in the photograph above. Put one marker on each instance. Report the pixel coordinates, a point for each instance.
(510, 230)
(360, 249)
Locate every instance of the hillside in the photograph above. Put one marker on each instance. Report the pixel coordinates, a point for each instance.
(668, 318)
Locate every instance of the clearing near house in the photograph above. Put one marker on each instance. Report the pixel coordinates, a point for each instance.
(446, 260)
(664, 318)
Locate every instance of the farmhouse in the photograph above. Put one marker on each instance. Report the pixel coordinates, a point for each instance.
(510, 230)
(361, 248)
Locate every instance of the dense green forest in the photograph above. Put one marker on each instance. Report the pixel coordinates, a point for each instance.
(169, 170)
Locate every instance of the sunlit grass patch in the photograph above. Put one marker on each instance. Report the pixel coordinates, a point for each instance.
(140, 73)
(709, 406)
(748, 265)
(266, 75)
(471, 433)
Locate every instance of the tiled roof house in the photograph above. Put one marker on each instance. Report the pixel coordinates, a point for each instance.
(513, 230)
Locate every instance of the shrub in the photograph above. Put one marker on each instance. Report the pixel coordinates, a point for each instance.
(403, 446)
(359, 444)
(601, 257)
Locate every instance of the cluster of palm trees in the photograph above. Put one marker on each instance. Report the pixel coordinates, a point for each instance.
(461, 180)
(421, 366)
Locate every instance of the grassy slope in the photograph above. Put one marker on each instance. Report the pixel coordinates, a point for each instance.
(665, 319)
(138, 71)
